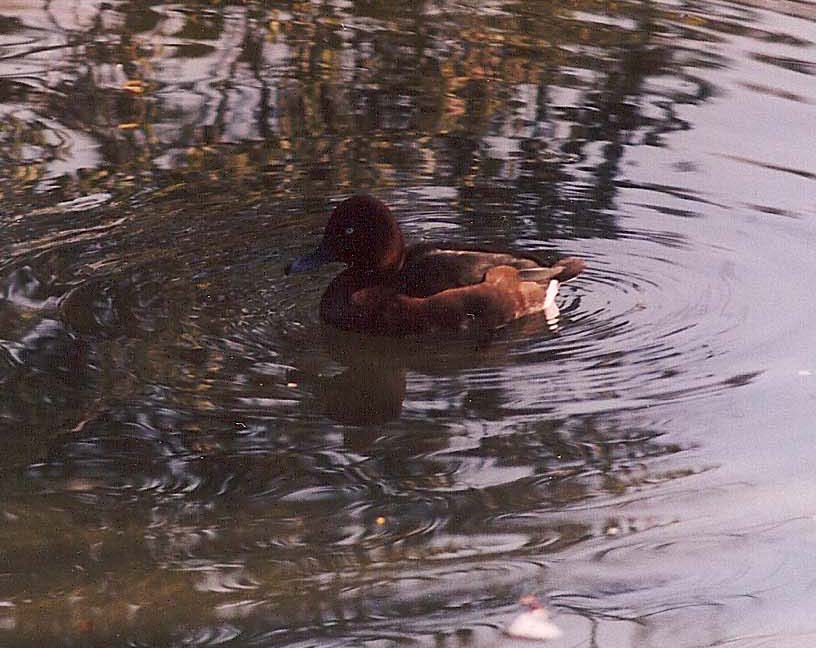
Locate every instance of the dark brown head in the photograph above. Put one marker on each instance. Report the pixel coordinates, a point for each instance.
(362, 233)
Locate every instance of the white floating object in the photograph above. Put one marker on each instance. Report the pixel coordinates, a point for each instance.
(533, 624)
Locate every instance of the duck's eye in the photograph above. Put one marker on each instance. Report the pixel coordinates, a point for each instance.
(349, 231)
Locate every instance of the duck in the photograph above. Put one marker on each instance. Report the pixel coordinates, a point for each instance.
(392, 289)
(534, 623)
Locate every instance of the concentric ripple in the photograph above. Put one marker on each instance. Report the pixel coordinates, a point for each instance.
(637, 330)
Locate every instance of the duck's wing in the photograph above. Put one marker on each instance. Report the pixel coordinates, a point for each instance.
(499, 298)
(562, 270)
(429, 270)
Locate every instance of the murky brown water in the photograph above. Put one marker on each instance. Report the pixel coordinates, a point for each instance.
(189, 458)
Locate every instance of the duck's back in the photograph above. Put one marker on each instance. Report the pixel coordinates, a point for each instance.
(429, 269)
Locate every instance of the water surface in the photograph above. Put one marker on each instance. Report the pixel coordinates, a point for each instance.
(190, 458)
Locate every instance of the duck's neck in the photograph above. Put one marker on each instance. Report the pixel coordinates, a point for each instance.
(395, 262)
(393, 256)
(387, 263)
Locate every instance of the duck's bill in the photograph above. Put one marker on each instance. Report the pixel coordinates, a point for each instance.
(311, 261)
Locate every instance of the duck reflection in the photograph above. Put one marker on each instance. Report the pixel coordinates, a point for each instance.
(371, 389)
(365, 393)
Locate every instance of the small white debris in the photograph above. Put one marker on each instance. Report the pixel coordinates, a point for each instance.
(533, 624)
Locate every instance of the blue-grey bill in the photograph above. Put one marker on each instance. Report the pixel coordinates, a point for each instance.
(310, 261)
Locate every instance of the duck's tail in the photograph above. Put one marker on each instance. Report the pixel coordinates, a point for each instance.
(562, 270)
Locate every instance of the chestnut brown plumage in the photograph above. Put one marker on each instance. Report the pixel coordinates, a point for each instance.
(388, 289)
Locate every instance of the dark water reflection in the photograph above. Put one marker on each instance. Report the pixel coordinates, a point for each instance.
(190, 458)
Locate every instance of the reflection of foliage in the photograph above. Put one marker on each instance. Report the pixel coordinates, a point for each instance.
(133, 348)
(23, 145)
(507, 105)
(292, 512)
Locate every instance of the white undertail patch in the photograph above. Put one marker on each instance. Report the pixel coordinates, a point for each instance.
(551, 311)
(552, 291)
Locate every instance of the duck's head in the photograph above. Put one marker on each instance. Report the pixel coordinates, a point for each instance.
(362, 233)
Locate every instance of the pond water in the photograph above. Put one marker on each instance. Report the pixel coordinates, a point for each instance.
(190, 458)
